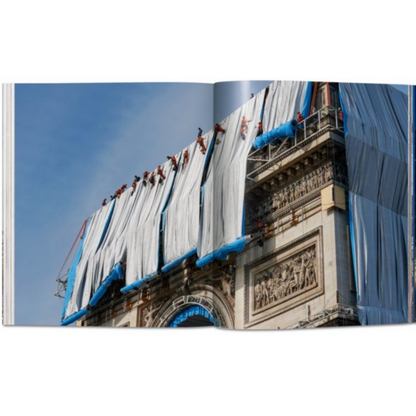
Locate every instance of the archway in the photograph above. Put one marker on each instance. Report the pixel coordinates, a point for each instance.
(194, 310)
(192, 316)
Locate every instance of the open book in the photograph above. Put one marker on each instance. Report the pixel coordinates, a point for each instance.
(242, 205)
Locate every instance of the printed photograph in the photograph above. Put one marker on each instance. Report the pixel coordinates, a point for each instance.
(258, 205)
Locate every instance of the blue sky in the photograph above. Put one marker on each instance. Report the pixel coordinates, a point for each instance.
(75, 144)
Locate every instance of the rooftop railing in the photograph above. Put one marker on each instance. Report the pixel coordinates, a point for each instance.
(326, 119)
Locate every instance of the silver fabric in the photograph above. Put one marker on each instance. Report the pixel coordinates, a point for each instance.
(376, 145)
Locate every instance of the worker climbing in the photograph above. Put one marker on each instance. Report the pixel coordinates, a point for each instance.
(134, 184)
(161, 174)
(174, 162)
(152, 179)
(185, 159)
(262, 229)
(218, 129)
(200, 141)
(300, 117)
(121, 190)
(145, 177)
(104, 203)
(259, 129)
(244, 127)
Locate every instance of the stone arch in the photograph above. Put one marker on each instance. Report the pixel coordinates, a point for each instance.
(205, 297)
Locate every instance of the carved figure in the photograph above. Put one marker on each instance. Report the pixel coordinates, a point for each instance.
(323, 176)
(258, 294)
(264, 293)
(150, 313)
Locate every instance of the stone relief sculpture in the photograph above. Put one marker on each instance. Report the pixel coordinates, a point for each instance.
(285, 278)
(298, 189)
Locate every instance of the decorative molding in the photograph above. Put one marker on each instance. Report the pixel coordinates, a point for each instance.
(284, 278)
(202, 295)
(297, 192)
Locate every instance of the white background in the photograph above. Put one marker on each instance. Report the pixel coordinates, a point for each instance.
(69, 371)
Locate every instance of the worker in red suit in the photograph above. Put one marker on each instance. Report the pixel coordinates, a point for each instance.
(134, 184)
(300, 117)
(185, 158)
(262, 229)
(133, 187)
(200, 141)
(161, 174)
(152, 179)
(174, 162)
(260, 129)
(219, 129)
(121, 190)
(145, 177)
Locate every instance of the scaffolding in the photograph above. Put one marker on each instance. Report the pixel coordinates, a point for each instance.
(62, 278)
(326, 119)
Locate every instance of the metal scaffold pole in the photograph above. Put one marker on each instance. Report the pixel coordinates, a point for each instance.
(411, 205)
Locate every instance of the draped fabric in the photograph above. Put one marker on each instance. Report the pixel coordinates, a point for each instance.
(82, 287)
(376, 145)
(223, 191)
(127, 229)
(284, 100)
(181, 217)
(144, 229)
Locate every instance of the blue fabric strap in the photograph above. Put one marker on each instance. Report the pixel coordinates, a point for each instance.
(173, 264)
(222, 253)
(287, 129)
(194, 310)
(116, 274)
(75, 317)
